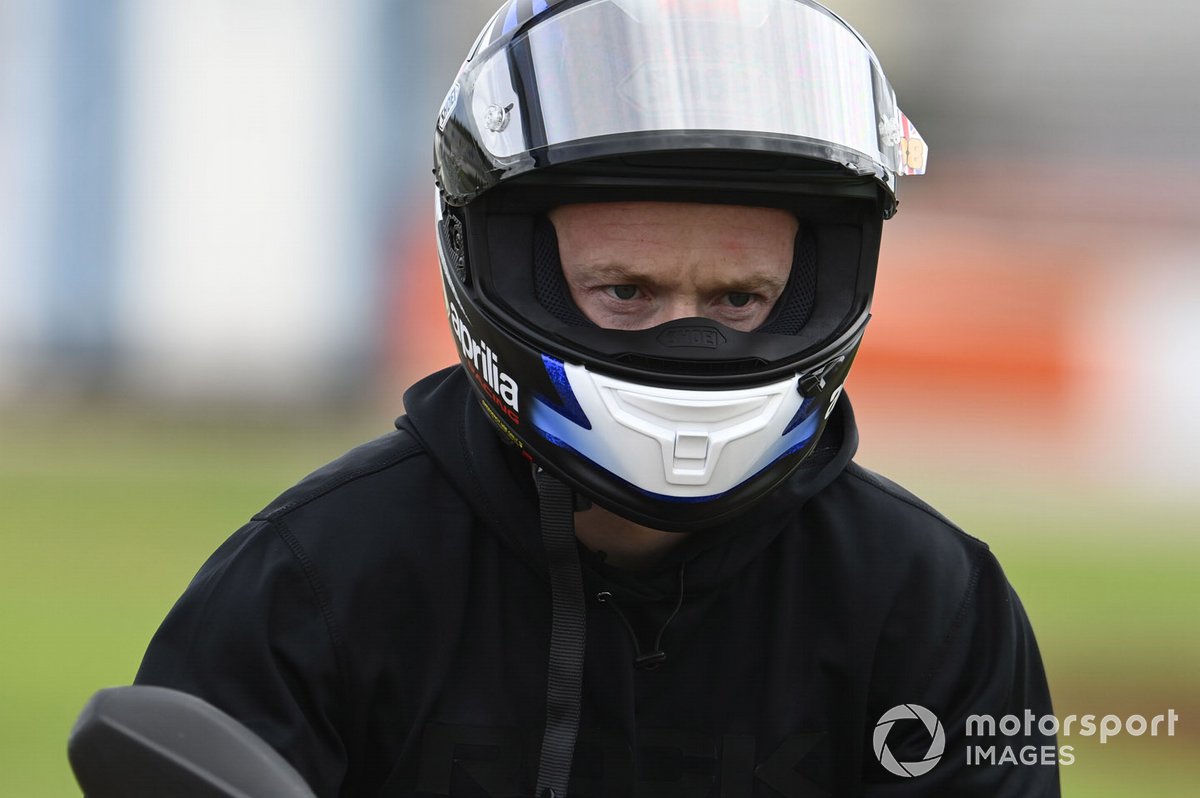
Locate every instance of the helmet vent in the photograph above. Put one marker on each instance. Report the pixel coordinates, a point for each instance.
(454, 243)
(795, 306)
(549, 285)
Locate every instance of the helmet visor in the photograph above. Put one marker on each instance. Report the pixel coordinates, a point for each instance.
(782, 69)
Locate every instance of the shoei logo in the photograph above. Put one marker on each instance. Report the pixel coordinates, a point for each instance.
(484, 365)
(937, 743)
(694, 337)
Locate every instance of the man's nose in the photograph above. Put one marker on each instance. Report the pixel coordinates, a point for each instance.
(681, 306)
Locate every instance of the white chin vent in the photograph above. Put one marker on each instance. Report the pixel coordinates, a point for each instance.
(684, 443)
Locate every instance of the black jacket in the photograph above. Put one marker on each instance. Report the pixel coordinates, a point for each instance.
(385, 624)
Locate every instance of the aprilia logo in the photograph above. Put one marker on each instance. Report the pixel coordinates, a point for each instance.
(485, 365)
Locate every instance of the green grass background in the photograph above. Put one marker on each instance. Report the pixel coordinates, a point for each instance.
(104, 519)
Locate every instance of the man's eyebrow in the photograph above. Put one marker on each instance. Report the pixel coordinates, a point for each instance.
(621, 273)
(615, 272)
(757, 282)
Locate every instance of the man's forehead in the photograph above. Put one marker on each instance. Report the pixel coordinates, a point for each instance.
(731, 248)
(744, 276)
(718, 247)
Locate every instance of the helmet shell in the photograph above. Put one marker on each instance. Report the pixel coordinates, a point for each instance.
(770, 103)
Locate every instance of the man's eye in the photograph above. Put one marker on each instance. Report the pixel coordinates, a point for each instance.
(623, 291)
(738, 299)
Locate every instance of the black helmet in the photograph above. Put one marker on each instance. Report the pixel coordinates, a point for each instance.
(766, 103)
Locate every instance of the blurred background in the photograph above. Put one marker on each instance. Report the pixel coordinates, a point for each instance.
(217, 272)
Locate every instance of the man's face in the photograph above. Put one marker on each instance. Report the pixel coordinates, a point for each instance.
(632, 265)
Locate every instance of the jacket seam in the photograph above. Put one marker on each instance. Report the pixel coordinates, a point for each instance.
(317, 587)
(271, 514)
(967, 600)
(211, 581)
(980, 554)
(854, 470)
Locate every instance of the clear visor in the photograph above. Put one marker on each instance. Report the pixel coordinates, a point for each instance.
(780, 68)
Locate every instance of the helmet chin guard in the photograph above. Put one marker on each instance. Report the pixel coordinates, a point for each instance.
(688, 423)
(678, 445)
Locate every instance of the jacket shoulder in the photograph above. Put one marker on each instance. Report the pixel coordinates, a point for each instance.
(902, 509)
(373, 458)
(922, 568)
(375, 517)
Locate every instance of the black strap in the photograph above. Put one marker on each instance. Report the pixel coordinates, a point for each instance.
(568, 624)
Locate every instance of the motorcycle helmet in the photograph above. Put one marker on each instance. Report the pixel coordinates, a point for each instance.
(764, 103)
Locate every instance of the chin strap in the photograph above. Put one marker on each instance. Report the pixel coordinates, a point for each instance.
(568, 625)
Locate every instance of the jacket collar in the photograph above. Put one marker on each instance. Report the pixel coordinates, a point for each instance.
(495, 480)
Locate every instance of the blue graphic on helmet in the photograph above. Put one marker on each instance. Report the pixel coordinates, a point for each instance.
(557, 427)
(802, 414)
(799, 433)
(567, 405)
(520, 12)
(510, 20)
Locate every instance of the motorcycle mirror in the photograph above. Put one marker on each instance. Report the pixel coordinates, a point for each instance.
(141, 741)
